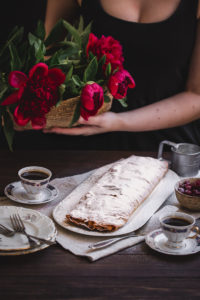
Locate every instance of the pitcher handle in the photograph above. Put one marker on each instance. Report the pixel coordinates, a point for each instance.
(161, 147)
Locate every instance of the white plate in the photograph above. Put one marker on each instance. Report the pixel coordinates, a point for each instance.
(17, 193)
(36, 224)
(138, 218)
(157, 241)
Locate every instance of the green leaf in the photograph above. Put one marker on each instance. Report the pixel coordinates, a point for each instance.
(22, 52)
(91, 70)
(101, 82)
(56, 34)
(15, 61)
(123, 102)
(67, 44)
(36, 43)
(73, 31)
(4, 86)
(85, 35)
(61, 92)
(76, 115)
(80, 25)
(108, 70)
(91, 55)
(3, 90)
(8, 130)
(74, 91)
(115, 70)
(16, 36)
(106, 99)
(40, 30)
(69, 74)
(77, 81)
(102, 61)
(40, 53)
(70, 51)
(30, 59)
(54, 60)
(70, 48)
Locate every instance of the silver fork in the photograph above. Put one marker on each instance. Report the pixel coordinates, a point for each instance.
(6, 231)
(18, 226)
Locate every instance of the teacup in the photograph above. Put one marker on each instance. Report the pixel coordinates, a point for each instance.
(177, 227)
(34, 180)
(185, 160)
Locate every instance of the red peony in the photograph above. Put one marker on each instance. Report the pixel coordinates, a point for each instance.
(106, 46)
(91, 100)
(36, 94)
(119, 83)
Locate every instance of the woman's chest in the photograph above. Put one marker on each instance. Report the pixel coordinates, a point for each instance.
(140, 11)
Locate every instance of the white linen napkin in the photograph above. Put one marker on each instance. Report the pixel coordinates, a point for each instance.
(77, 243)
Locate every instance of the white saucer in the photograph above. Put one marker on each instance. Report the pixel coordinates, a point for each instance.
(36, 224)
(17, 193)
(157, 241)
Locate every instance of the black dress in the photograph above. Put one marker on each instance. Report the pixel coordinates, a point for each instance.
(158, 56)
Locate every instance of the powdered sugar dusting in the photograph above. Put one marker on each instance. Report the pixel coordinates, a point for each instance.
(120, 191)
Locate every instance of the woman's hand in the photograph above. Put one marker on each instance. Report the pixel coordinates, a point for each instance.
(102, 123)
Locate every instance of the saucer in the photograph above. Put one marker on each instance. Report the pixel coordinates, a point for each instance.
(36, 224)
(158, 241)
(17, 193)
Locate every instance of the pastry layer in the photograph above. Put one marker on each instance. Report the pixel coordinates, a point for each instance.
(109, 204)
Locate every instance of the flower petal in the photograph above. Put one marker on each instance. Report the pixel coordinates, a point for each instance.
(38, 122)
(39, 69)
(84, 114)
(19, 118)
(57, 76)
(129, 79)
(17, 79)
(13, 98)
(92, 41)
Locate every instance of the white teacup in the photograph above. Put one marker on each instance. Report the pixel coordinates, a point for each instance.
(34, 180)
(177, 227)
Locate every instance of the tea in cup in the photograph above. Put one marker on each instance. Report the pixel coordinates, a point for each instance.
(177, 227)
(34, 180)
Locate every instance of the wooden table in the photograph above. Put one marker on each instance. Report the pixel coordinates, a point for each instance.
(54, 273)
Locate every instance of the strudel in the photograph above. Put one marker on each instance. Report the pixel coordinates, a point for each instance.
(109, 204)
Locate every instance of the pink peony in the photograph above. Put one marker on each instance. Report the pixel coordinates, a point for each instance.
(119, 83)
(106, 46)
(91, 100)
(36, 94)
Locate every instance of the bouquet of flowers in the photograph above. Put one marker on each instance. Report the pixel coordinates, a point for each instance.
(48, 82)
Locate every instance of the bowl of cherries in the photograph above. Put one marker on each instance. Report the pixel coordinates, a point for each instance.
(188, 193)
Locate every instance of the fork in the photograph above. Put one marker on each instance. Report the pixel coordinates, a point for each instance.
(6, 231)
(18, 226)
(109, 242)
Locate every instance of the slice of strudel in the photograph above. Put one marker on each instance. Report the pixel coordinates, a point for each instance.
(109, 204)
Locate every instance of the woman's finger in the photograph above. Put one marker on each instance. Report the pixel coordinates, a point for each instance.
(79, 130)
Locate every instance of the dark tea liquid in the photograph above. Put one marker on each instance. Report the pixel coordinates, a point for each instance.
(35, 175)
(176, 222)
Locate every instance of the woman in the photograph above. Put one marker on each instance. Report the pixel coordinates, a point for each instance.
(161, 46)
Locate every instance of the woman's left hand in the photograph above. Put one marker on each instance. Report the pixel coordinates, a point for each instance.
(102, 123)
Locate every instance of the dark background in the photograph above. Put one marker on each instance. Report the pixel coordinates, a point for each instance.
(24, 13)
(20, 12)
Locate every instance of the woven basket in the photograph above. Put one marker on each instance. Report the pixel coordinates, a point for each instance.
(61, 116)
